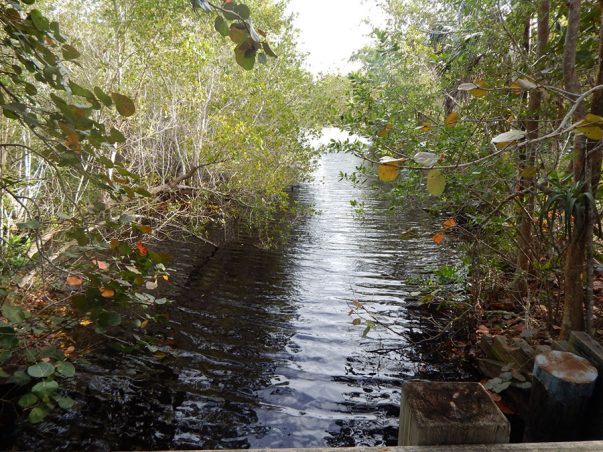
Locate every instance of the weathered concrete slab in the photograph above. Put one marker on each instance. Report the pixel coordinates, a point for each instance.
(524, 447)
(449, 413)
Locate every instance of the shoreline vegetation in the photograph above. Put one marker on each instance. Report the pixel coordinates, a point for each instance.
(123, 121)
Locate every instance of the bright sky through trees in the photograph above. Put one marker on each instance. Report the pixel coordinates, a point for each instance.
(331, 30)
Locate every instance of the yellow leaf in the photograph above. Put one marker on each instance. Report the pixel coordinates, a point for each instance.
(387, 172)
(594, 119)
(166, 277)
(436, 183)
(106, 292)
(356, 322)
(383, 132)
(144, 324)
(452, 119)
(591, 127)
(85, 322)
(425, 127)
(74, 280)
(529, 172)
(438, 238)
(592, 133)
(516, 88)
(481, 91)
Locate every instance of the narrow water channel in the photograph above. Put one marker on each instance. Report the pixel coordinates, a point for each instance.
(263, 350)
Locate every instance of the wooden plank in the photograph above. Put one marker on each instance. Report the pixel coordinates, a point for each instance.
(449, 413)
(522, 447)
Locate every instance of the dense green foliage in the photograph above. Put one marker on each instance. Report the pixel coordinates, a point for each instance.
(473, 108)
(131, 119)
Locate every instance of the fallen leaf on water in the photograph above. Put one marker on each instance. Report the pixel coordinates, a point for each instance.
(74, 280)
(449, 223)
(100, 264)
(438, 238)
(106, 292)
(142, 249)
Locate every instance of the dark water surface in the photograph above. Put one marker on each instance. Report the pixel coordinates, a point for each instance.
(263, 351)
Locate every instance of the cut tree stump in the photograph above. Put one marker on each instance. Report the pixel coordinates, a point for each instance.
(562, 386)
(445, 413)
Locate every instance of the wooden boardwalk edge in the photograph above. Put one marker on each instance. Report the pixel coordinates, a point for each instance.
(586, 446)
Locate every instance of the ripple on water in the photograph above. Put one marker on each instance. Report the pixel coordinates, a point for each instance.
(264, 351)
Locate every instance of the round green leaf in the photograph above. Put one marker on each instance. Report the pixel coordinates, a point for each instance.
(39, 21)
(65, 402)
(238, 33)
(40, 370)
(125, 106)
(28, 400)
(19, 378)
(221, 26)
(245, 56)
(243, 11)
(70, 53)
(103, 97)
(8, 337)
(436, 183)
(14, 314)
(116, 136)
(45, 388)
(229, 11)
(109, 318)
(37, 415)
(65, 368)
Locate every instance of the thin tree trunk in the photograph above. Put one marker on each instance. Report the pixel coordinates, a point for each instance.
(594, 156)
(532, 124)
(573, 305)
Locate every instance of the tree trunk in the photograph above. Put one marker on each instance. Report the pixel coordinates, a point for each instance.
(594, 156)
(573, 315)
(529, 158)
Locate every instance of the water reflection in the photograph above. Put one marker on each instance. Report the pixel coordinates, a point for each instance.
(264, 353)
